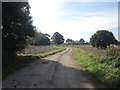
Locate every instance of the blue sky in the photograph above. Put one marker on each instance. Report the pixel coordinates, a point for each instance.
(75, 20)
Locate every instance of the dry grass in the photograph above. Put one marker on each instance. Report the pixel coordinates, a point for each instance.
(91, 50)
(33, 50)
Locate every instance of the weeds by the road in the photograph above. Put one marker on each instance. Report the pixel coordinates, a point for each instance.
(23, 60)
(105, 68)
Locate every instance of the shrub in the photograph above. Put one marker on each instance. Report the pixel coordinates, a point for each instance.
(112, 51)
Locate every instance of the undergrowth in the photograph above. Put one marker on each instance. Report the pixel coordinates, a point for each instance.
(105, 68)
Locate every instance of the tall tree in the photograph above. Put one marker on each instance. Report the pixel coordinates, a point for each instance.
(81, 41)
(17, 26)
(47, 35)
(69, 41)
(102, 39)
(41, 39)
(57, 38)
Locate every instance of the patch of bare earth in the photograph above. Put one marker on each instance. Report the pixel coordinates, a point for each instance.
(31, 50)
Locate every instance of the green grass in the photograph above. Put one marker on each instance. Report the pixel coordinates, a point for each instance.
(105, 72)
(60, 48)
(22, 61)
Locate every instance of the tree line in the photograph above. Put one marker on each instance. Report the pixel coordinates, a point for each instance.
(80, 42)
(101, 39)
(44, 39)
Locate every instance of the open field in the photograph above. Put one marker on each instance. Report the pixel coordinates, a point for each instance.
(33, 50)
(91, 50)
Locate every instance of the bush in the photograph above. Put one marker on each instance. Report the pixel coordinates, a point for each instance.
(105, 68)
(112, 51)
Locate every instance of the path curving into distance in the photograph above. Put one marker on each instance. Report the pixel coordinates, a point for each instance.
(60, 70)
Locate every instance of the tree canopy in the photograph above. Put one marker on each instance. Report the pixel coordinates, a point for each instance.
(41, 39)
(102, 39)
(69, 41)
(17, 26)
(57, 38)
(81, 41)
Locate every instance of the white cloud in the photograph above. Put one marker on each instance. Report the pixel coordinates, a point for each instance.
(45, 15)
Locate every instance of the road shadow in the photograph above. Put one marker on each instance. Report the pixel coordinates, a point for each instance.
(61, 69)
(58, 73)
(16, 64)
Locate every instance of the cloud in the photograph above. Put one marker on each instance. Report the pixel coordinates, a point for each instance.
(46, 15)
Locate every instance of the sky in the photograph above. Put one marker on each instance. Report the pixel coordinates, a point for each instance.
(74, 19)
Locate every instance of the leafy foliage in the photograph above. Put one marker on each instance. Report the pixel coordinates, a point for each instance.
(69, 41)
(102, 39)
(57, 38)
(72, 42)
(81, 41)
(41, 39)
(17, 26)
(105, 68)
(112, 51)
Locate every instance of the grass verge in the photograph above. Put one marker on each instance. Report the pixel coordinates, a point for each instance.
(104, 71)
(60, 48)
(22, 61)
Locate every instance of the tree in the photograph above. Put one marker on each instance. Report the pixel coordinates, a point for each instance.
(81, 41)
(69, 41)
(102, 39)
(17, 26)
(41, 39)
(47, 35)
(57, 38)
